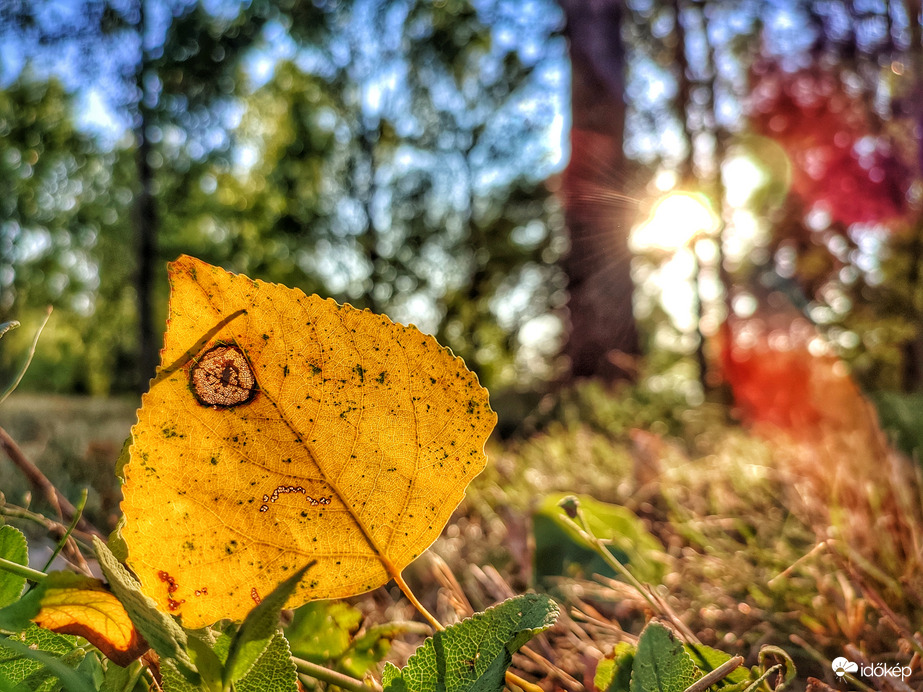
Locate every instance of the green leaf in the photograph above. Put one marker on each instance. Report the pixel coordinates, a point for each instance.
(273, 671)
(41, 639)
(53, 657)
(160, 630)
(45, 678)
(116, 678)
(613, 674)
(561, 551)
(175, 680)
(13, 547)
(474, 654)
(661, 662)
(91, 667)
(207, 663)
(322, 631)
(366, 651)
(258, 628)
(706, 659)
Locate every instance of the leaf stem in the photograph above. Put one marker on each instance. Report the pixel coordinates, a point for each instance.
(332, 677)
(402, 585)
(21, 570)
(583, 529)
(571, 508)
(25, 366)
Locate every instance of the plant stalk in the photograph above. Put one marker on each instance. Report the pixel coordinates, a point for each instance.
(45, 487)
(513, 679)
(25, 366)
(21, 570)
(70, 529)
(583, 528)
(718, 674)
(332, 677)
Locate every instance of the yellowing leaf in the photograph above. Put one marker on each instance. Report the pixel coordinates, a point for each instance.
(69, 603)
(283, 428)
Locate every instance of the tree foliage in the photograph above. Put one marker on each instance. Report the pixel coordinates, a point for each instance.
(381, 153)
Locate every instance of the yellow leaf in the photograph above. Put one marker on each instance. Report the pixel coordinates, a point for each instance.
(283, 428)
(73, 604)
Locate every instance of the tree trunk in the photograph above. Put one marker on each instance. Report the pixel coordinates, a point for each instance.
(598, 266)
(146, 222)
(912, 350)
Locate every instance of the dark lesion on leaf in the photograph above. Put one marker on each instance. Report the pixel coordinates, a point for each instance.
(222, 377)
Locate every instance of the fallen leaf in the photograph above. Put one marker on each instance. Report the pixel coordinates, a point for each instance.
(283, 428)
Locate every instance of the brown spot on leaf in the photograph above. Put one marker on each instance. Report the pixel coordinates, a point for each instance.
(223, 377)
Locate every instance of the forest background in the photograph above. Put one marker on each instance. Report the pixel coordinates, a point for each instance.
(410, 158)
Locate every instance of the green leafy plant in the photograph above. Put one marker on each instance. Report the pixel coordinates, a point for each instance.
(661, 661)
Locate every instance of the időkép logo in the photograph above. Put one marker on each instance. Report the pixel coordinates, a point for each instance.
(842, 666)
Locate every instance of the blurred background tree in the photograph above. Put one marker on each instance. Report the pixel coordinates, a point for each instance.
(388, 154)
(406, 156)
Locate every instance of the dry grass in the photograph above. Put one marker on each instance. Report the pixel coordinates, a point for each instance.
(808, 540)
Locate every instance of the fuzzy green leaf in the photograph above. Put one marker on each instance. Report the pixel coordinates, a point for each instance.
(258, 628)
(661, 662)
(160, 630)
(474, 654)
(175, 680)
(273, 671)
(13, 547)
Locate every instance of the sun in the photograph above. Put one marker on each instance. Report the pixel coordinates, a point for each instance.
(675, 219)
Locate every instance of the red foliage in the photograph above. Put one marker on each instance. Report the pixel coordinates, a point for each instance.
(837, 159)
(783, 375)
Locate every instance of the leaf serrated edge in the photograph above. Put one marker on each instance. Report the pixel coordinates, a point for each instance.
(683, 654)
(391, 673)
